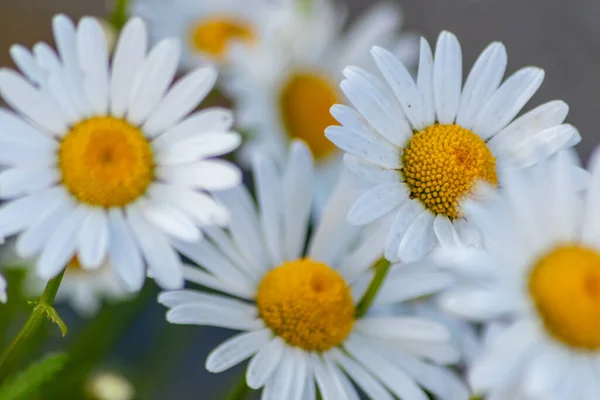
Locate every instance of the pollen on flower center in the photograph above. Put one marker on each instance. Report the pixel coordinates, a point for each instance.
(306, 303)
(305, 100)
(565, 287)
(213, 35)
(441, 164)
(106, 162)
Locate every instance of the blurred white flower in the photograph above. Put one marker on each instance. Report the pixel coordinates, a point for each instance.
(206, 28)
(109, 386)
(537, 279)
(285, 85)
(296, 307)
(105, 162)
(425, 144)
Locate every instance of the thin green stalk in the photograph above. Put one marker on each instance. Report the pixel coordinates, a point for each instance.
(118, 17)
(381, 266)
(41, 311)
(241, 390)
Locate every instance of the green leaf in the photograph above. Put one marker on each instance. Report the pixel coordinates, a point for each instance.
(26, 383)
(53, 316)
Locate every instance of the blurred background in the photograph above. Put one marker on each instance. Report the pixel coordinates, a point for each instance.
(167, 362)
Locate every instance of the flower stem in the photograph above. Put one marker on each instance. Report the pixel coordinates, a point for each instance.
(381, 266)
(241, 390)
(41, 311)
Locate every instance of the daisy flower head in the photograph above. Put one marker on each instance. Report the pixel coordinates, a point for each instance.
(536, 279)
(206, 28)
(424, 144)
(297, 307)
(284, 86)
(104, 162)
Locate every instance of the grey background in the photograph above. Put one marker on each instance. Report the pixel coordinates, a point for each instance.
(561, 36)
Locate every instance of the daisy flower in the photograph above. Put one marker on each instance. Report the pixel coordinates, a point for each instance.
(537, 278)
(207, 28)
(423, 144)
(284, 86)
(104, 162)
(298, 308)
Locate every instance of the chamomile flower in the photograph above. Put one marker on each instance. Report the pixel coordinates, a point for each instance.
(537, 278)
(207, 28)
(284, 86)
(424, 144)
(297, 308)
(104, 161)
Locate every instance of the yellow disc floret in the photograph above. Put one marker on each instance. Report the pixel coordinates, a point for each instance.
(565, 287)
(442, 163)
(213, 35)
(306, 303)
(305, 102)
(106, 162)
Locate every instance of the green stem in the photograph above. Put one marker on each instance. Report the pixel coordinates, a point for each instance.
(381, 266)
(241, 390)
(41, 311)
(118, 17)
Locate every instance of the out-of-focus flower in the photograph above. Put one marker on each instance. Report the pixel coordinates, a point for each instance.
(109, 386)
(206, 28)
(286, 84)
(105, 163)
(3, 296)
(538, 275)
(424, 144)
(297, 307)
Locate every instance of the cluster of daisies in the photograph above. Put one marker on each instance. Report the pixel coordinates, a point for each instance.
(408, 236)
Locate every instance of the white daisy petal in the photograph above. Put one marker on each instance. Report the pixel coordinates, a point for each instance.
(406, 286)
(399, 383)
(207, 174)
(237, 349)
(591, 223)
(92, 49)
(508, 100)
(182, 98)
(56, 209)
(419, 239)
(197, 148)
(46, 58)
(377, 202)
(152, 80)
(543, 117)
(297, 183)
(65, 36)
(370, 172)
(262, 366)
(283, 378)
(364, 379)
(19, 181)
(376, 104)
(402, 328)
(93, 239)
(16, 130)
(171, 221)
(196, 275)
(163, 262)
(213, 315)
(329, 386)
(349, 391)
(425, 84)
(31, 102)
(445, 232)
(269, 192)
(405, 216)
(200, 207)
(125, 255)
(212, 120)
(23, 59)
(130, 52)
(59, 249)
(374, 150)
(479, 304)
(447, 77)
(402, 84)
(482, 82)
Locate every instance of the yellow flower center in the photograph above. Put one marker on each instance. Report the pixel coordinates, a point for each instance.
(565, 287)
(306, 303)
(213, 35)
(441, 164)
(305, 101)
(106, 162)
